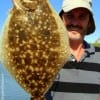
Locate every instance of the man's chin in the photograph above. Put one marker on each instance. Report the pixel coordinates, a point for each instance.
(76, 37)
(73, 35)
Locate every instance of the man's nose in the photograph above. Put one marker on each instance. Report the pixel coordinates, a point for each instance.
(75, 21)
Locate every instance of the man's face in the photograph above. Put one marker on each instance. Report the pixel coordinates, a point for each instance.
(76, 22)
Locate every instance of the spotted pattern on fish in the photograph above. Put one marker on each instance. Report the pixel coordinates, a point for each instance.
(34, 45)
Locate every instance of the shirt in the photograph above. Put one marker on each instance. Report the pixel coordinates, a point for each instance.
(78, 80)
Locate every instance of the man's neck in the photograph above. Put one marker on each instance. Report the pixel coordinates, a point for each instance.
(77, 49)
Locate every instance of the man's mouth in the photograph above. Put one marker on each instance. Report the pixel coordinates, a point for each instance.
(73, 28)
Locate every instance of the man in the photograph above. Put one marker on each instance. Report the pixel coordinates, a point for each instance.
(79, 79)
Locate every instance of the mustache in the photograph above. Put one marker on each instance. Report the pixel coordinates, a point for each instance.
(71, 26)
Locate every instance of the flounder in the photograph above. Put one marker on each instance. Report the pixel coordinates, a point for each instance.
(34, 45)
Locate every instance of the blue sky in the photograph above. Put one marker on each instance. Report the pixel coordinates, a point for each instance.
(5, 6)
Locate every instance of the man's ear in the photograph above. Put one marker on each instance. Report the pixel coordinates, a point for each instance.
(89, 28)
(89, 24)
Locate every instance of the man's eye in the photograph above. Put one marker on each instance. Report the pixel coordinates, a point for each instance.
(82, 17)
(69, 16)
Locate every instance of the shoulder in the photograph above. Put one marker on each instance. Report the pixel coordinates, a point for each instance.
(90, 48)
(97, 49)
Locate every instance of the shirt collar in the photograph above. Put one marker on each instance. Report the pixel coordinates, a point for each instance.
(89, 48)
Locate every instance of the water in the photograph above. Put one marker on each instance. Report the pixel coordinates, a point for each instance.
(9, 88)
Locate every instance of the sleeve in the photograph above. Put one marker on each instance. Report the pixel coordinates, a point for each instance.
(48, 96)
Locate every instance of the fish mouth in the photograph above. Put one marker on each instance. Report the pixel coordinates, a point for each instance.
(26, 4)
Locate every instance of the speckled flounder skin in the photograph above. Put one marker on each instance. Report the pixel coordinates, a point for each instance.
(34, 45)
